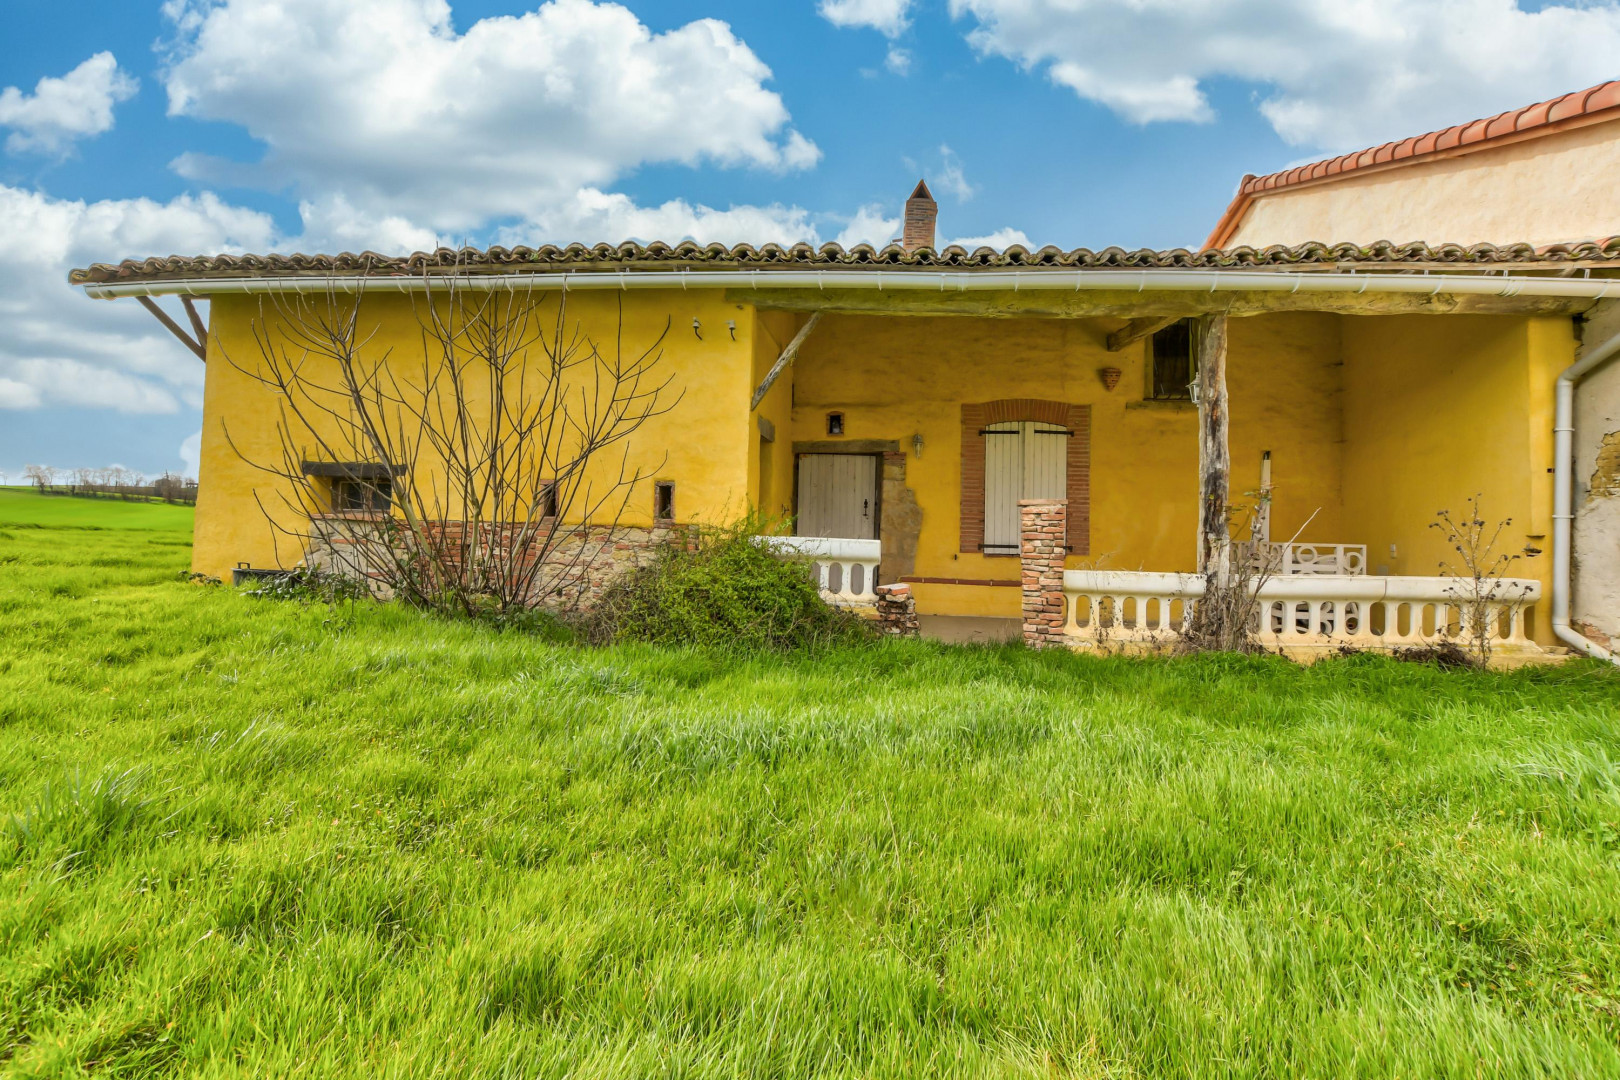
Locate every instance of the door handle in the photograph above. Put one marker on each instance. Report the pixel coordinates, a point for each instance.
(866, 508)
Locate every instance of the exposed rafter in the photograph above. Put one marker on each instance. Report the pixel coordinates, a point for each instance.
(200, 348)
(1136, 330)
(784, 360)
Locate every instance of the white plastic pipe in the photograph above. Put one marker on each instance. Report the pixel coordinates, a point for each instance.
(1153, 280)
(1564, 495)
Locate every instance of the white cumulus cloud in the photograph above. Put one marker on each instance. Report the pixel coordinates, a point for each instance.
(59, 348)
(889, 17)
(62, 110)
(1337, 74)
(191, 454)
(592, 216)
(869, 226)
(1000, 239)
(383, 103)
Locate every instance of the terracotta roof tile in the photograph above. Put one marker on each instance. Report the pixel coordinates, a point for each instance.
(1474, 133)
(658, 257)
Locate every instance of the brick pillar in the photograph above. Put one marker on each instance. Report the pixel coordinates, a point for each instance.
(896, 611)
(1043, 523)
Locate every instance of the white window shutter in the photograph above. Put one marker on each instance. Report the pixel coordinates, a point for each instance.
(1022, 460)
(1003, 480)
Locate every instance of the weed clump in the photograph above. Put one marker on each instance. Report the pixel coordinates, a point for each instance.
(727, 589)
(310, 586)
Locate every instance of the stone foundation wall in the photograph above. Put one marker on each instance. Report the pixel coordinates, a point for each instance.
(578, 566)
(1043, 523)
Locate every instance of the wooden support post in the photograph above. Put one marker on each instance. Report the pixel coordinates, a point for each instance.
(173, 327)
(197, 325)
(784, 360)
(1137, 329)
(1214, 454)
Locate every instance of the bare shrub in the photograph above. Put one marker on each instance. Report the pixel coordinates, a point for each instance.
(1481, 586)
(481, 468)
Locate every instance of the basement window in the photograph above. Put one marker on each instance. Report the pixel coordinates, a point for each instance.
(351, 495)
(1173, 371)
(664, 501)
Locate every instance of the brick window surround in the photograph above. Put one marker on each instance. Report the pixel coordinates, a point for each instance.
(1077, 418)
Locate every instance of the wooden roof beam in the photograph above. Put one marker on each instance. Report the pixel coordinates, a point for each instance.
(200, 348)
(784, 360)
(1137, 329)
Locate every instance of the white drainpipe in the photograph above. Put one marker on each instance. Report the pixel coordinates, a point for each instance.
(1564, 495)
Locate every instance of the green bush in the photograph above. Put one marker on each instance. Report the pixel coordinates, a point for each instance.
(726, 590)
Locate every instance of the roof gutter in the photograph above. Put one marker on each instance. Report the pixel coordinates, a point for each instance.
(1564, 495)
(1151, 280)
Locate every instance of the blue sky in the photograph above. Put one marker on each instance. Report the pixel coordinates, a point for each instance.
(201, 125)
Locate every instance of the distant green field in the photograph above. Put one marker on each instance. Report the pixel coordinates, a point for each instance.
(24, 506)
(243, 837)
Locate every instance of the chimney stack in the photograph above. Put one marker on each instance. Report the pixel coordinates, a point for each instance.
(921, 210)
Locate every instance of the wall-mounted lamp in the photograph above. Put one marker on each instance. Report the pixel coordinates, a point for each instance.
(697, 329)
(917, 444)
(1192, 391)
(731, 324)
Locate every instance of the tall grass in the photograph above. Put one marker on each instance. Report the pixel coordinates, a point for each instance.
(243, 837)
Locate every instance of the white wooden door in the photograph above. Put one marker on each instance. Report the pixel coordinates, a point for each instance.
(838, 496)
(1022, 460)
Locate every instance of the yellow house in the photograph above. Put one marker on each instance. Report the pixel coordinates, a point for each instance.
(899, 405)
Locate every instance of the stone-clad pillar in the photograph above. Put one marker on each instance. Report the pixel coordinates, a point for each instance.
(1044, 523)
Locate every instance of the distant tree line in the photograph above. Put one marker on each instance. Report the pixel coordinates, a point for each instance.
(114, 482)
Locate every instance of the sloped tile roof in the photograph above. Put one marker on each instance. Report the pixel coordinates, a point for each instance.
(1592, 105)
(658, 257)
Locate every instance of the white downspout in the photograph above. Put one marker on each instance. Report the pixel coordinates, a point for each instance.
(1564, 495)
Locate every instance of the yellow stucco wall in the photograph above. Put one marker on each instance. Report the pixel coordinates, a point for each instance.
(897, 377)
(770, 465)
(1374, 424)
(1438, 409)
(704, 443)
(1551, 189)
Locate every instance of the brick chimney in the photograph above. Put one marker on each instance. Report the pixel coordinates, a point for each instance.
(921, 209)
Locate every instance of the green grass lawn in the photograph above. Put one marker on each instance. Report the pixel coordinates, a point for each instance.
(250, 837)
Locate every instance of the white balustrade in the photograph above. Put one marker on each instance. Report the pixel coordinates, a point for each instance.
(1290, 560)
(845, 569)
(1309, 610)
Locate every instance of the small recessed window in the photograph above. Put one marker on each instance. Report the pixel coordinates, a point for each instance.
(548, 501)
(354, 496)
(835, 423)
(1173, 371)
(664, 500)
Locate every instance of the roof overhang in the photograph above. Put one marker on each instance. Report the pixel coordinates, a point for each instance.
(1562, 284)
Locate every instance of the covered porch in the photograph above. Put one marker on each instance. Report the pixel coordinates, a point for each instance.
(1324, 437)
